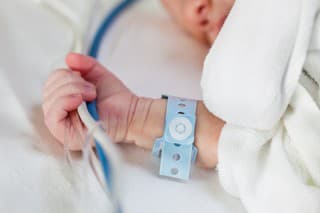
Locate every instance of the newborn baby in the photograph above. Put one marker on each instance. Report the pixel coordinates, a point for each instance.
(129, 118)
(256, 120)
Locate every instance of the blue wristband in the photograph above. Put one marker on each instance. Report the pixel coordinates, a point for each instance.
(176, 146)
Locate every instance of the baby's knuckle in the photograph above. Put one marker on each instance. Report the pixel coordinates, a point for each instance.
(74, 88)
(76, 74)
(81, 87)
(64, 74)
(62, 71)
(57, 72)
(77, 78)
(67, 74)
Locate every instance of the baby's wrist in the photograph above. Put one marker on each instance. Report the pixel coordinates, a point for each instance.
(147, 122)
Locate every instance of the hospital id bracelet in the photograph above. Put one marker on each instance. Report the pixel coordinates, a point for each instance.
(176, 147)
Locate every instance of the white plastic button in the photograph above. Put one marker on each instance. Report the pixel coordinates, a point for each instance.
(180, 128)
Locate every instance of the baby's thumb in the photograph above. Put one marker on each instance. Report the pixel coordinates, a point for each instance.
(89, 68)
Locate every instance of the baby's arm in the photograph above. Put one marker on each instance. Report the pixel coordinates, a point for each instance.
(128, 118)
(148, 122)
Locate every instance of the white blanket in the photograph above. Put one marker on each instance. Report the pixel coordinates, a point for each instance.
(269, 150)
(34, 177)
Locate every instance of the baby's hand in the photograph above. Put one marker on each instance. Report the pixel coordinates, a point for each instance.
(86, 80)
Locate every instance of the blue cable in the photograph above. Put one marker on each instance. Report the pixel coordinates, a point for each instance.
(106, 25)
(98, 38)
(92, 106)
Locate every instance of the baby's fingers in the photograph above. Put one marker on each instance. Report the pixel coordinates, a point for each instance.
(85, 89)
(56, 116)
(59, 78)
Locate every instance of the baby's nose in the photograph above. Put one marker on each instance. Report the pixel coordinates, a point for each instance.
(197, 12)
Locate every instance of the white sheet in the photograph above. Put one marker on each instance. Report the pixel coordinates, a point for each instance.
(144, 43)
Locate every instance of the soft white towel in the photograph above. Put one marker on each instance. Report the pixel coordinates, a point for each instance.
(269, 149)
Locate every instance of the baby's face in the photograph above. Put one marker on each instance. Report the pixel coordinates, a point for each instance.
(203, 19)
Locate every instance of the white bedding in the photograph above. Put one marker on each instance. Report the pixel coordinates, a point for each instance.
(151, 55)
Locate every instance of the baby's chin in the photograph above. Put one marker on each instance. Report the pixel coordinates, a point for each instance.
(206, 39)
(212, 36)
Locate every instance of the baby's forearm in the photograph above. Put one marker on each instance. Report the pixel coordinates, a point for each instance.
(147, 124)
